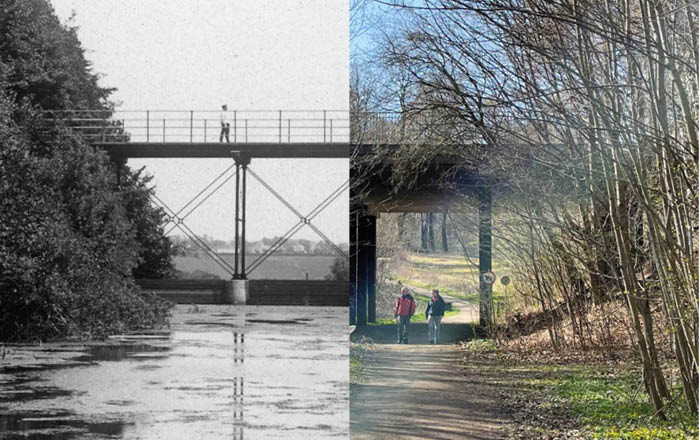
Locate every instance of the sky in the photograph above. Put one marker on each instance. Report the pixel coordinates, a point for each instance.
(251, 55)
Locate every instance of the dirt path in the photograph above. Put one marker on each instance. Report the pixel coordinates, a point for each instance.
(419, 392)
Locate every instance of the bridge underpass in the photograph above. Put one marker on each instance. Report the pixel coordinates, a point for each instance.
(434, 190)
(256, 135)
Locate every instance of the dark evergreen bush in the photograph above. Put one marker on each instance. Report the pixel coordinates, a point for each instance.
(71, 240)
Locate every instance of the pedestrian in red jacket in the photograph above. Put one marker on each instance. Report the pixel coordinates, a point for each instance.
(404, 308)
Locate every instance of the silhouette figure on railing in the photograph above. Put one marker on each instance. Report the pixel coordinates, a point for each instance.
(225, 125)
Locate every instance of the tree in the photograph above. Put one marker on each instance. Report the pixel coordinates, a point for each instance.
(340, 269)
(70, 239)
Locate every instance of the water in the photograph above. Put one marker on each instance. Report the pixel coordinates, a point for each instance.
(219, 372)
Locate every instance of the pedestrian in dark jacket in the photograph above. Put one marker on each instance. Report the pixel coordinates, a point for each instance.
(434, 314)
(404, 308)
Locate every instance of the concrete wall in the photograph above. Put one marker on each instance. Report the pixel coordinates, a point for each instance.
(186, 291)
(262, 292)
(299, 292)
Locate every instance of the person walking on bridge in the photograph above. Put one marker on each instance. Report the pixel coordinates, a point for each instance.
(404, 308)
(225, 125)
(434, 313)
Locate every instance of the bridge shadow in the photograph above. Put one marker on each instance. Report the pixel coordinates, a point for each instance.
(417, 333)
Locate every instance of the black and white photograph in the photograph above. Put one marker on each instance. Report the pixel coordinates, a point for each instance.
(175, 219)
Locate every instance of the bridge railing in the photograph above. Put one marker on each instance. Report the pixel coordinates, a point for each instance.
(154, 126)
(403, 127)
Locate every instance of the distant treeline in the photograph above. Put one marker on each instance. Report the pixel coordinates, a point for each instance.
(299, 246)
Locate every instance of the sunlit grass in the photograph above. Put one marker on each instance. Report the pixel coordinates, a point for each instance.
(360, 351)
(452, 276)
(607, 401)
(615, 406)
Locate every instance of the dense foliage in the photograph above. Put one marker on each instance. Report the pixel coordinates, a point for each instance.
(71, 239)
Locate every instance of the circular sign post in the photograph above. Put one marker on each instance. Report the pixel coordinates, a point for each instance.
(488, 278)
(505, 280)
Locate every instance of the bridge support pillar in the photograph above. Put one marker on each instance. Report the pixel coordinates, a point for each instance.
(236, 292)
(363, 267)
(485, 289)
(371, 249)
(242, 162)
(352, 264)
(119, 164)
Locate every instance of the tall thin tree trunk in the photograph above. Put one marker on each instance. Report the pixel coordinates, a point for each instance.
(443, 231)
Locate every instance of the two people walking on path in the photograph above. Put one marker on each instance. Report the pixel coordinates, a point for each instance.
(405, 308)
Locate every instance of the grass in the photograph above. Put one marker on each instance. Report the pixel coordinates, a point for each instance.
(615, 406)
(452, 275)
(606, 402)
(359, 353)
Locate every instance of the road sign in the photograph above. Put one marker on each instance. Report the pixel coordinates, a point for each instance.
(505, 280)
(488, 278)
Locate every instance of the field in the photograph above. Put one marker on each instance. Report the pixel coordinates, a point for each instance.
(280, 267)
(450, 274)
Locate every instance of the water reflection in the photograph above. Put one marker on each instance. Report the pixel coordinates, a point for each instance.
(238, 382)
(211, 371)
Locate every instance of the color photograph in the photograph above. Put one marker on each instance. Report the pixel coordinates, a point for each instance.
(524, 219)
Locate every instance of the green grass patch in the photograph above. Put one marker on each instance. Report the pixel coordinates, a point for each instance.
(480, 346)
(359, 352)
(452, 276)
(615, 406)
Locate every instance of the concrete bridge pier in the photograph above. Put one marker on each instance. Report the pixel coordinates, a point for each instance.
(236, 292)
(485, 289)
(363, 267)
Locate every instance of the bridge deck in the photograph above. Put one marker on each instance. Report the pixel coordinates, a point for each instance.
(269, 150)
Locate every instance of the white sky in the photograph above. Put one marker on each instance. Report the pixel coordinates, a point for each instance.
(252, 55)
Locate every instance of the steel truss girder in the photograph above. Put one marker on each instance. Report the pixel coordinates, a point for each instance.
(192, 236)
(178, 220)
(303, 220)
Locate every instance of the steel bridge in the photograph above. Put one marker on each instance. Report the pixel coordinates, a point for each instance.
(240, 136)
